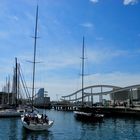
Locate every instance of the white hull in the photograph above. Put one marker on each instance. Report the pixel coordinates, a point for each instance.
(37, 126)
(10, 113)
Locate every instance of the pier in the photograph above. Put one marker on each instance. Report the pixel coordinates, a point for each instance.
(109, 111)
(65, 108)
(62, 106)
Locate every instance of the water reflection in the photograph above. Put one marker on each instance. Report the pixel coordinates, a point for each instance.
(123, 128)
(117, 128)
(89, 129)
(9, 128)
(13, 128)
(31, 135)
(66, 127)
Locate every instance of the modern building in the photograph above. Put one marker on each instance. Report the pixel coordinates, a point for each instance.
(136, 94)
(120, 96)
(126, 96)
(42, 100)
(40, 93)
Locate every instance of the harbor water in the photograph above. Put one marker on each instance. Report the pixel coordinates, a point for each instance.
(66, 127)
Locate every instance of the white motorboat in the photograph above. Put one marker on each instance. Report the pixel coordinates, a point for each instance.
(10, 113)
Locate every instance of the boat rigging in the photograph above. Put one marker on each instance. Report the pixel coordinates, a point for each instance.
(33, 120)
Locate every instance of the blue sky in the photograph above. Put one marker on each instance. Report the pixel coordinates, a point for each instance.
(112, 40)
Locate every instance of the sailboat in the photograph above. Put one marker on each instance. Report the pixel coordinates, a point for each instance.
(33, 120)
(84, 113)
(11, 108)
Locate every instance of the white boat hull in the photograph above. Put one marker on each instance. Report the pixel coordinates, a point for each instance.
(10, 113)
(37, 126)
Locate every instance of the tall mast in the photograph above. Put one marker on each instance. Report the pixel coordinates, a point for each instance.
(34, 60)
(83, 57)
(16, 81)
(8, 88)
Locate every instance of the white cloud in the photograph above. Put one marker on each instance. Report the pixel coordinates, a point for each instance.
(65, 87)
(87, 25)
(100, 55)
(115, 78)
(125, 2)
(63, 58)
(131, 2)
(94, 1)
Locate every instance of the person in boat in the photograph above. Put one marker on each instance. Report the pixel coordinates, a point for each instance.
(41, 116)
(33, 115)
(27, 119)
(46, 119)
(36, 119)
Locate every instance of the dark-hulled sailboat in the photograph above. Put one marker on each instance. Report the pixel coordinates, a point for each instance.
(84, 113)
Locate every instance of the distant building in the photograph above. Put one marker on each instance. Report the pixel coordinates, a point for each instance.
(120, 96)
(41, 98)
(7, 98)
(136, 94)
(126, 96)
(40, 93)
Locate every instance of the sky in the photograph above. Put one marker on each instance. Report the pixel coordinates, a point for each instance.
(112, 42)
